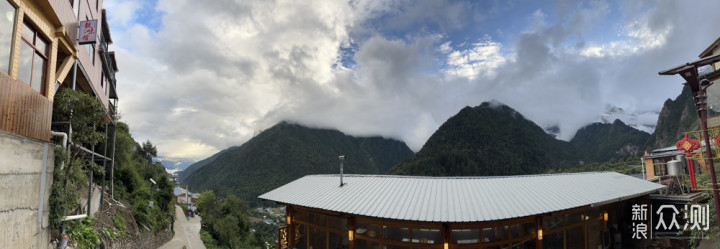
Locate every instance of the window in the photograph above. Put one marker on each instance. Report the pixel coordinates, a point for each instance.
(33, 58)
(6, 33)
(76, 8)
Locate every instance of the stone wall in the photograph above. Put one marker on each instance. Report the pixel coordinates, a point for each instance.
(21, 201)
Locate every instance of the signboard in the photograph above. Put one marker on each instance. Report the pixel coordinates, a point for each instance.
(88, 32)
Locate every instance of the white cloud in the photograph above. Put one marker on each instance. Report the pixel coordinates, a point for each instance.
(637, 37)
(482, 59)
(214, 74)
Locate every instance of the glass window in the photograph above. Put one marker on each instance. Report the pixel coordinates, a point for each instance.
(7, 21)
(397, 233)
(592, 214)
(573, 218)
(525, 244)
(427, 236)
(317, 238)
(495, 234)
(576, 237)
(337, 222)
(713, 98)
(497, 247)
(317, 219)
(301, 215)
(594, 234)
(553, 241)
(370, 230)
(300, 237)
(338, 241)
(365, 244)
(553, 222)
(465, 236)
(33, 58)
(519, 230)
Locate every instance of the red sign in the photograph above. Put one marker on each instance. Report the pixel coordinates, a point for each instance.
(87, 33)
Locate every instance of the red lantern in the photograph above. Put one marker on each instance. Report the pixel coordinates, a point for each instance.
(689, 145)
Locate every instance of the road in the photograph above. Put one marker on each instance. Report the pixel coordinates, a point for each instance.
(187, 232)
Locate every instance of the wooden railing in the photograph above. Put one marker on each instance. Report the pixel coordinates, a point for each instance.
(282, 242)
(23, 110)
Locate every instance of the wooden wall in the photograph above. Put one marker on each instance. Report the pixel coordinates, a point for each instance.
(23, 110)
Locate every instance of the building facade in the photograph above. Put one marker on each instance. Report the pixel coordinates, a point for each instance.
(538, 211)
(40, 54)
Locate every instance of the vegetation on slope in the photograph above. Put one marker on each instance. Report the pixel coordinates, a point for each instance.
(677, 116)
(225, 222)
(133, 169)
(490, 139)
(286, 152)
(600, 142)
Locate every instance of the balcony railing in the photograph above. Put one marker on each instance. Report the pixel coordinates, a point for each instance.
(282, 242)
(23, 110)
(107, 63)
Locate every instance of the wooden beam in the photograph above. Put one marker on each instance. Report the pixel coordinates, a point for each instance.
(64, 69)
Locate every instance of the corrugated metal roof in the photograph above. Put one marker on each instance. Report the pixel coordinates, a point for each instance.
(458, 199)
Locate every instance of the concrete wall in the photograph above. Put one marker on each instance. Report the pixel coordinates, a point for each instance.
(21, 167)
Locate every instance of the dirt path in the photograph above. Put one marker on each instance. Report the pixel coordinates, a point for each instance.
(187, 233)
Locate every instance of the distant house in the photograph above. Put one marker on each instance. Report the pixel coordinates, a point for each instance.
(655, 163)
(382, 211)
(183, 196)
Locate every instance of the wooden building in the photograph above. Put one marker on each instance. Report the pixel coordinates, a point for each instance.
(40, 54)
(535, 211)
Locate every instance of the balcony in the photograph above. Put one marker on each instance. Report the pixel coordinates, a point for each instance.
(109, 66)
(23, 110)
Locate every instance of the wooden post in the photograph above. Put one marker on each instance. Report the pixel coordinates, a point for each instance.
(290, 226)
(351, 232)
(538, 232)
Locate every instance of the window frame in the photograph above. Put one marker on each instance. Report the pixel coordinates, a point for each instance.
(13, 39)
(44, 55)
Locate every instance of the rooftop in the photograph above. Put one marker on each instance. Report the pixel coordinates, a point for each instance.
(458, 199)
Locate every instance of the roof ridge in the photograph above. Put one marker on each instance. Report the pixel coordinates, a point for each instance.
(459, 177)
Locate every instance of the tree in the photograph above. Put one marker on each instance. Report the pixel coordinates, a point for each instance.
(148, 151)
(85, 113)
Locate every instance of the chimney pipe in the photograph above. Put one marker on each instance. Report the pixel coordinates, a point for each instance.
(341, 170)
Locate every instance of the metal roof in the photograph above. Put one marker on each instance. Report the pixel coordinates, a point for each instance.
(458, 199)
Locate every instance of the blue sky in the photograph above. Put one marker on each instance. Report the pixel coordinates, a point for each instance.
(199, 76)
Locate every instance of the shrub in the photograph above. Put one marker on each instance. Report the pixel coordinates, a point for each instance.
(84, 234)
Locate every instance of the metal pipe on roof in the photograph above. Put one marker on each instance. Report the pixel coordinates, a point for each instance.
(341, 170)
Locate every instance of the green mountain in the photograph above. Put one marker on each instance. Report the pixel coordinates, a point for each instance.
(199, 164)
(677, 116)
(288, 151)
(601, 142)
(490, 139)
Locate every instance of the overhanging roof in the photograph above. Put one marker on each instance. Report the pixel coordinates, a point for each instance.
(458, 199)
(709, 49)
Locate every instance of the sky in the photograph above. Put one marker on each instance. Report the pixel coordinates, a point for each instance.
(197, 77)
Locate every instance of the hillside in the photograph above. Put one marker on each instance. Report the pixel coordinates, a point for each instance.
(286, 152)
(600, 142)
(676, 117)
(490, 139)
(195, 166)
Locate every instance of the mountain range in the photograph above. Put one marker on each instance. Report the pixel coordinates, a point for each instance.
(289, 151)
(489, 139)
(494, 139)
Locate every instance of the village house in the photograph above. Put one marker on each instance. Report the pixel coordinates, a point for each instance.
(578, 210)
(40, 53)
